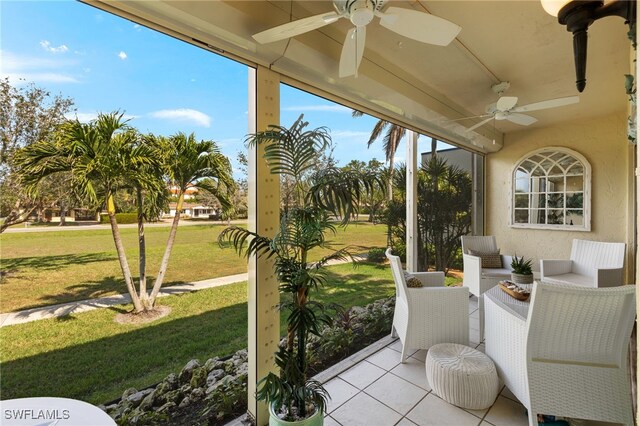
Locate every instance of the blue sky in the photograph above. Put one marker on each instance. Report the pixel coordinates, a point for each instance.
(106, 63)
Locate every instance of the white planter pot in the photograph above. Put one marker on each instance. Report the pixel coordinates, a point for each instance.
(521, 278)
(316, 420)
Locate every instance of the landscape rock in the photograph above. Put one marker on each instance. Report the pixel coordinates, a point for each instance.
(137, 397)
(187, 371)
(148, 401)
(185, 402)
(172, 381)
(214, 376)
(198, 377)
(127, 393)
(212, 363)
(197, 393)
(169, 406)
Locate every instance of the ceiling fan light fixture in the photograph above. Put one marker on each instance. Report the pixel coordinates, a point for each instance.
(361, 13)
(578, 15)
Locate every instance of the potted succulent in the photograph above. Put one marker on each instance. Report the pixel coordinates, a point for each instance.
(521, 270)
(321, 199)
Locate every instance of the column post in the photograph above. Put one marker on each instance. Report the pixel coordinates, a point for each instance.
(412, 201)
(264, 216)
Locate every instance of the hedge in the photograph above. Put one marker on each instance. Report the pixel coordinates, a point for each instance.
(121, 218)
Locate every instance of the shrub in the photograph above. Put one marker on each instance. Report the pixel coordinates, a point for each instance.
(376, 255)
(121, 218)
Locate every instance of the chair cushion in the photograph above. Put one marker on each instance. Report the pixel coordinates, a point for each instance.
(412, 281)
(502, 273)
(572, 279)
(488, 259)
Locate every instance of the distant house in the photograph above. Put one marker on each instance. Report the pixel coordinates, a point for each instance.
(191, 210)
(189, 194)
(72, 215)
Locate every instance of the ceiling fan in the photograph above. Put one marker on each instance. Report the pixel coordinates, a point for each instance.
(409, 23)
(506, 107)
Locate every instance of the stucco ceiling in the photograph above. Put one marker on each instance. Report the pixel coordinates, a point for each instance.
(426, 85)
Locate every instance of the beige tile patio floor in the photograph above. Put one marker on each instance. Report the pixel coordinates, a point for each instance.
(372, 388)
(380, 391)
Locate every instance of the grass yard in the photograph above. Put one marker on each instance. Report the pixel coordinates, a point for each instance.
(90, 357)
(45, 268)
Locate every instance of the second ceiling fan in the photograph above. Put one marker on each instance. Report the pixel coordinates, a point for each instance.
(409, 23)
(506, 108)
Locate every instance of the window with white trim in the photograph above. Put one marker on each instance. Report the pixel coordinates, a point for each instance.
(551, 189)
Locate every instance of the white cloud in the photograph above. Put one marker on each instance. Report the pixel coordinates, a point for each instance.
(85, 117)
(39, 77)
(122, 55)
(22, 69)
(185, 115)
(350, 134)
(323, 108)
(137, 27)
(46, 45)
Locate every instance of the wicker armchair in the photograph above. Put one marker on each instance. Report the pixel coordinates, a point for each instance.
(428, 315)
(568, 356)
(592, 264)
(477, 278)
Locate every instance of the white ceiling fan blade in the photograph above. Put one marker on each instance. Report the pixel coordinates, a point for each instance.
(352, 52)
(419, 26)
(505, 103)
(521, 119)
(475, 126)
(551, 103)
(292, 29)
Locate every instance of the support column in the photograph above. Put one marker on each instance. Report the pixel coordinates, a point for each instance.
(412, 201)
(264, 215)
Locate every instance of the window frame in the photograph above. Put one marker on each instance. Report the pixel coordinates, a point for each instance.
(586, 189)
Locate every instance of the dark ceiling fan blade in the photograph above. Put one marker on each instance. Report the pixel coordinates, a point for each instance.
(475, 126)
(419, 26)
(352, 51)
(505, 103)
(550, 103)
(292, 29)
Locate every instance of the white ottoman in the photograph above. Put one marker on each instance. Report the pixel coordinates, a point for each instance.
(462, 375)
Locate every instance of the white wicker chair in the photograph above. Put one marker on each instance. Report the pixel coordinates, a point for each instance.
(428, 315)
(592, 264)
(568, 357)
(477, 278)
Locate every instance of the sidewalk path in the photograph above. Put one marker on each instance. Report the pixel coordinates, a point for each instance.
(54, 311)
(63, 309)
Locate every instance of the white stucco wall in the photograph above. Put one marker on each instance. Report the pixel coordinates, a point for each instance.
(603, 142)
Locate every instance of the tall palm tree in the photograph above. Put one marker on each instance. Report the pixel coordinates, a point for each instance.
(189, 163)
(103, 156)
(391, 141)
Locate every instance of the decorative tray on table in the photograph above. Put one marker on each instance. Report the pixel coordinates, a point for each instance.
(514, 290)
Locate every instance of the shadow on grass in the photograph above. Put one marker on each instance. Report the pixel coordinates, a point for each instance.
(54, 263)
(102, 369)
(108, 289)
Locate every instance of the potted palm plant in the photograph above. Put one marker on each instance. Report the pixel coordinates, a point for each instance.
(320, 200)
(521, 272)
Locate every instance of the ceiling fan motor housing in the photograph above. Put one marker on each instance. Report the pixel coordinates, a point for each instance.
(361, 12)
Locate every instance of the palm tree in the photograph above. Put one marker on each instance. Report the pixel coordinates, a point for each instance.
(103, 156)
(319, 195)
(189, 163)
(391, 141)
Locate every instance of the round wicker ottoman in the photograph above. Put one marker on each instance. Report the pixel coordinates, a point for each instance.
(462, 375)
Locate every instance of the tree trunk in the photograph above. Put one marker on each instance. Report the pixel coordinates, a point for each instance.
(63, 213)
(390, 182)
(167, 251)
(122, 257)
(142, 253)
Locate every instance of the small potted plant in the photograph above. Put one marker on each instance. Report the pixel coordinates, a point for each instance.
(521, 270)
(320, 195)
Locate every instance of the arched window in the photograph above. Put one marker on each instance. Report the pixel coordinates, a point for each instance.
(551, 189)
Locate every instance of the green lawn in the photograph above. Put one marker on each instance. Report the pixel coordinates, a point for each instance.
(90, 357)
(45, 268)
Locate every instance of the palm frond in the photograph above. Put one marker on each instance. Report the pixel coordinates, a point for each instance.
(245, 242)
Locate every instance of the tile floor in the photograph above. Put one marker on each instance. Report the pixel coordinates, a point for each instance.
(372, 388)
(379, 391)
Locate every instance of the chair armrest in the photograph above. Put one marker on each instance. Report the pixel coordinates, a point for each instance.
(471, 262)
(430, 279)
(608, 277)
(554, 267)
